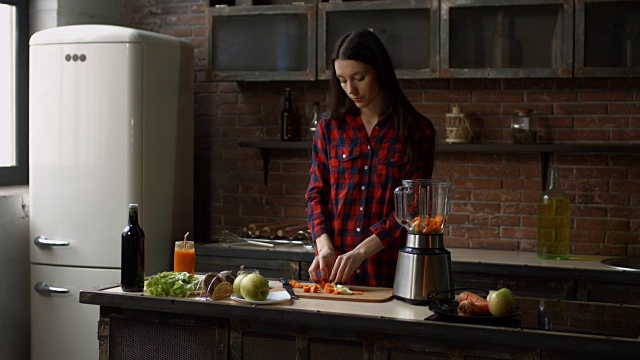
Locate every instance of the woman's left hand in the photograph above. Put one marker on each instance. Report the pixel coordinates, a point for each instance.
(345, 265)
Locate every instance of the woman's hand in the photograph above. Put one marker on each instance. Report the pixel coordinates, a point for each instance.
(346, 264)
(324, 261)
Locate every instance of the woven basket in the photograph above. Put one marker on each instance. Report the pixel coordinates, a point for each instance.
(458, 128)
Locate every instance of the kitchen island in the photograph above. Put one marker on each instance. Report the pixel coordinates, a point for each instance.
(136, 325)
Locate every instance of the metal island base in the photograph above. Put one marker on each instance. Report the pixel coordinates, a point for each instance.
(139, 326)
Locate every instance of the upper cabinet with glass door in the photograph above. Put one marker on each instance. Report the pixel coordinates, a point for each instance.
(607, 38)
(408, 28)
(505, 38)
(264, 42)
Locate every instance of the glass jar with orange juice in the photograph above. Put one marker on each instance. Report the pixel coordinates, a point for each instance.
(184, 256)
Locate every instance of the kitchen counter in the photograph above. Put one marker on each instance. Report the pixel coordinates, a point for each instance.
(582, 277)
(384, 330)
(461, 256)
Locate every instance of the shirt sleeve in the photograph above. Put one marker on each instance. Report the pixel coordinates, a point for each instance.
(388, 229)
(318, 192)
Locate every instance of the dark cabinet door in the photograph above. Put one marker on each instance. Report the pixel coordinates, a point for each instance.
(409, 30)
(501, 38)
(607, 38)
(262, 43)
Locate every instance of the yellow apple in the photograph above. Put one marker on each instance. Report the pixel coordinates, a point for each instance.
(236, 285)
(502, 302)
(254, 287)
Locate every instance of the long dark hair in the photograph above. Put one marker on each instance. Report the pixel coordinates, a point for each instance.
(365, 46)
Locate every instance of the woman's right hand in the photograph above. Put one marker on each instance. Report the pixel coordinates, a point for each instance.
(324, 261)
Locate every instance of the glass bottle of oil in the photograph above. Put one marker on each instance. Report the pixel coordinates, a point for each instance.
(553, 220)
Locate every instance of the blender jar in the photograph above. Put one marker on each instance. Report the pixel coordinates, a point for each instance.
(422, 206)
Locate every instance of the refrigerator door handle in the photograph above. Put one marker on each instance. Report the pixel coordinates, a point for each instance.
(44, 289)
(43, 241)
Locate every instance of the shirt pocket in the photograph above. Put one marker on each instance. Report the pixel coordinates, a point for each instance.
(344, 162)
(393, 163)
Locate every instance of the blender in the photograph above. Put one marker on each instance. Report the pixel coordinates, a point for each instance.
(424, 265)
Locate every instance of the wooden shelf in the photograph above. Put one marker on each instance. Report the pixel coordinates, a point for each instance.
(265, 147)
(545, 150)
(276, 144)
(537, 148)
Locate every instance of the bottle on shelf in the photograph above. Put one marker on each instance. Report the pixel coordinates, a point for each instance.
(315, 117)
(553, 220)
(501, 43)
(289, 120)
(628, 47)
(132, 258)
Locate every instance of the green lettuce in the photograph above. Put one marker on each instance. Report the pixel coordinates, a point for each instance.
(169, 283)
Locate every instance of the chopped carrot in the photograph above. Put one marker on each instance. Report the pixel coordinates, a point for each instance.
(356, 292)
(295, 283)
(306, 288)
(335, 292)
(322, 283)
(328, 288)
(314, 288)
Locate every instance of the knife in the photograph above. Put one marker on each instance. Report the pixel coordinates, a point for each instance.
(287, 286)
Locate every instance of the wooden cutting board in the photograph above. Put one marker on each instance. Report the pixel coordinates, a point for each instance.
(369, 294)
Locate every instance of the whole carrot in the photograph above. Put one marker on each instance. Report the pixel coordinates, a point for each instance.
(468, 295)
(470, 308)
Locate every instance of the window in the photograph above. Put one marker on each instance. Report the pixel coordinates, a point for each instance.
(14, 92)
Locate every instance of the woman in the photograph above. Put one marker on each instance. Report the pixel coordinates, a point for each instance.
(373, 139)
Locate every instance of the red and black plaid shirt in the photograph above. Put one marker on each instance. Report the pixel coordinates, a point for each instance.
(353, 178)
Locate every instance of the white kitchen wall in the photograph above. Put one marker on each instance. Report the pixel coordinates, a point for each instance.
(46, 14)
(14, 269)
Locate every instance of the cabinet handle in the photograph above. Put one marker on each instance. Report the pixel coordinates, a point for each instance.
(44, 289)
(43, 241)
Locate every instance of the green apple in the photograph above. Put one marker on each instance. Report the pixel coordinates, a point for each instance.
(254, 287)
(236, 285)
(502, 302)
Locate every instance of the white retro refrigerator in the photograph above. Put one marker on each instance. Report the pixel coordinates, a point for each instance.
(111, 123)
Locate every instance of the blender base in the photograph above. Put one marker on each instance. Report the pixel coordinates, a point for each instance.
(413, 301)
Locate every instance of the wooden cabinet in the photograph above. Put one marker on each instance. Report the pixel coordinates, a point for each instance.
(270, 42)
(607, 38)
(498, 38)
(133, 326)
(294, 40)
(136, 334)
(409, 30)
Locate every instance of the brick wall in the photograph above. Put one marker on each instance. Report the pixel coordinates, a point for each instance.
(495, 195)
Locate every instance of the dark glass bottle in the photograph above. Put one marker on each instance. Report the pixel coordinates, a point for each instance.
(132, 259)
(315, 117)
(289, 120)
